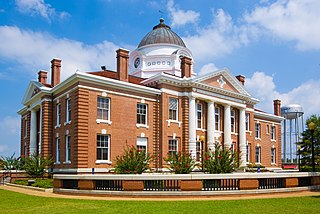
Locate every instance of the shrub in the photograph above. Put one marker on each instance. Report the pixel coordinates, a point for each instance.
(221, 160)
(36, 166)
(10, 162)
(133, 161)
(180, 163)
(41, 183)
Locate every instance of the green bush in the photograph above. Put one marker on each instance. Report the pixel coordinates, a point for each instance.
(36, 166)
(133, 161)
(41, 183)
(180, 163)
(221, 160)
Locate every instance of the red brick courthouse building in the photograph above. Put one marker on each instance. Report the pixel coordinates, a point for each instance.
(155, 101)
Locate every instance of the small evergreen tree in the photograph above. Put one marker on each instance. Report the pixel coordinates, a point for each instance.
(180, 163)
(36, 165)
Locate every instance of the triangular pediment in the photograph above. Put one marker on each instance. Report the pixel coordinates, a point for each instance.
(223, 80)
(33, 89)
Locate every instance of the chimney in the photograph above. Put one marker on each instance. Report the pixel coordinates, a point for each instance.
(42, 76)
(55, 71)
(122, 64)
(241, 79)
(186, 64)
(277, 105)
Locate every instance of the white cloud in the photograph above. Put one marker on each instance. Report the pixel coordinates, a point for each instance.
(39, 8)
(208, 68)
(180, 17)
(10, 125)
(262, 86)
(10, 133)
(34, 51)
(290, 20)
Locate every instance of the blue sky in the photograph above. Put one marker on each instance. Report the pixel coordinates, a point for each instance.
(274, 43)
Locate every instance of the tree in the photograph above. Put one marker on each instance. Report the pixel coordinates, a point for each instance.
(180, 163)
(10, 162)
(306, 145)
(36, 165)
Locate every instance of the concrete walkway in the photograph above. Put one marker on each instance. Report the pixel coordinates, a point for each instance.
(227, 197)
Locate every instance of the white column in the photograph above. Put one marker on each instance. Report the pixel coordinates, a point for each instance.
(227, 126)
(242, 137)
(33, 132)
(192, 126)
(40, 133)
(210, 126)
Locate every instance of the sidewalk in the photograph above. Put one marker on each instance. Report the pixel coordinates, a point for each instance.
(227, 197)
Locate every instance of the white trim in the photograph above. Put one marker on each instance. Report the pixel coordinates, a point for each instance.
(103, 162)
(142, 126)
(268, 116)
(174, 121)
(266, 121)
(104, 121)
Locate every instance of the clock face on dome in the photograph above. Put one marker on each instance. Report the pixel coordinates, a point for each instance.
(137, 62)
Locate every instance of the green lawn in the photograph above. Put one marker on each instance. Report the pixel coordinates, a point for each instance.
(11, 202)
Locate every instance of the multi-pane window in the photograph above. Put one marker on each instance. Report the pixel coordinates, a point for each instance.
(273, 155)
(68, 148)
(103, 108)
(57, 150)
(173, 146)
(173, 109)
(248, 152)
(247, 122)
(103, 146)
(199, 116)
(258, 154)
(198, 150)
(273, 132)
(233, 120)
(217, 118)
(142, 143)
(68, 110)
(257, 130)
(58, 114)
(141, 113)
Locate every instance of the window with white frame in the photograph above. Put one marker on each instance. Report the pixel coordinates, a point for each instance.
(273, 155)
(142, 113)
(103, 147)
(247, 122)
(267, 129)
(258, 154)
(257, 130)
(199, 116)
(142, 144)
(233, 120)
(57, 150)
(25, 127)
(173, 146)
(233, 147)
(173, 109)
(198, 150)
(103, 108)
(58, 114)
(248, 152)
(217, 118)
(273, 132)
(68, 148)
(68, 110)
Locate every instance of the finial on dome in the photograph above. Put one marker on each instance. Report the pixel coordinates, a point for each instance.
(161, 20)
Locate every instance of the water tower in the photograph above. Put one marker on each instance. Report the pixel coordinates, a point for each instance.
(293, 125)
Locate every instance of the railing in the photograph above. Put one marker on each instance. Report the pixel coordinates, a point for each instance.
(161, 185)
(272, 183)
(111, 185)
(219, 185)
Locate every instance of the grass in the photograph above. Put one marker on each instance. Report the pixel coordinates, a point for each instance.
(40, 182)
(12, 202)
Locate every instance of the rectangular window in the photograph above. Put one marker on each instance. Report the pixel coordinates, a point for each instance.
(198, 150)
(273, 155)
(142, 144)
(199, 116)
(248, 153)
(68, 149)
(173, 109)
(217, 118)
(25, 149)
(233, 121)
(258, 154)
(58, 114)
(257, 130)
(25, 127)
(247, 122)
(267, 129)
(57, 150)
(142, 113)
(103, 145)
(103, 108)
(68, 110)
(173, 146)
(273, 132)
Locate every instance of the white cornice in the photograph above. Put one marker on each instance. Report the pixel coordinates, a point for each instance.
(268, 116)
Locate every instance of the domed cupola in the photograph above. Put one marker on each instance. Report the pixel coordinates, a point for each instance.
(159, 51)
